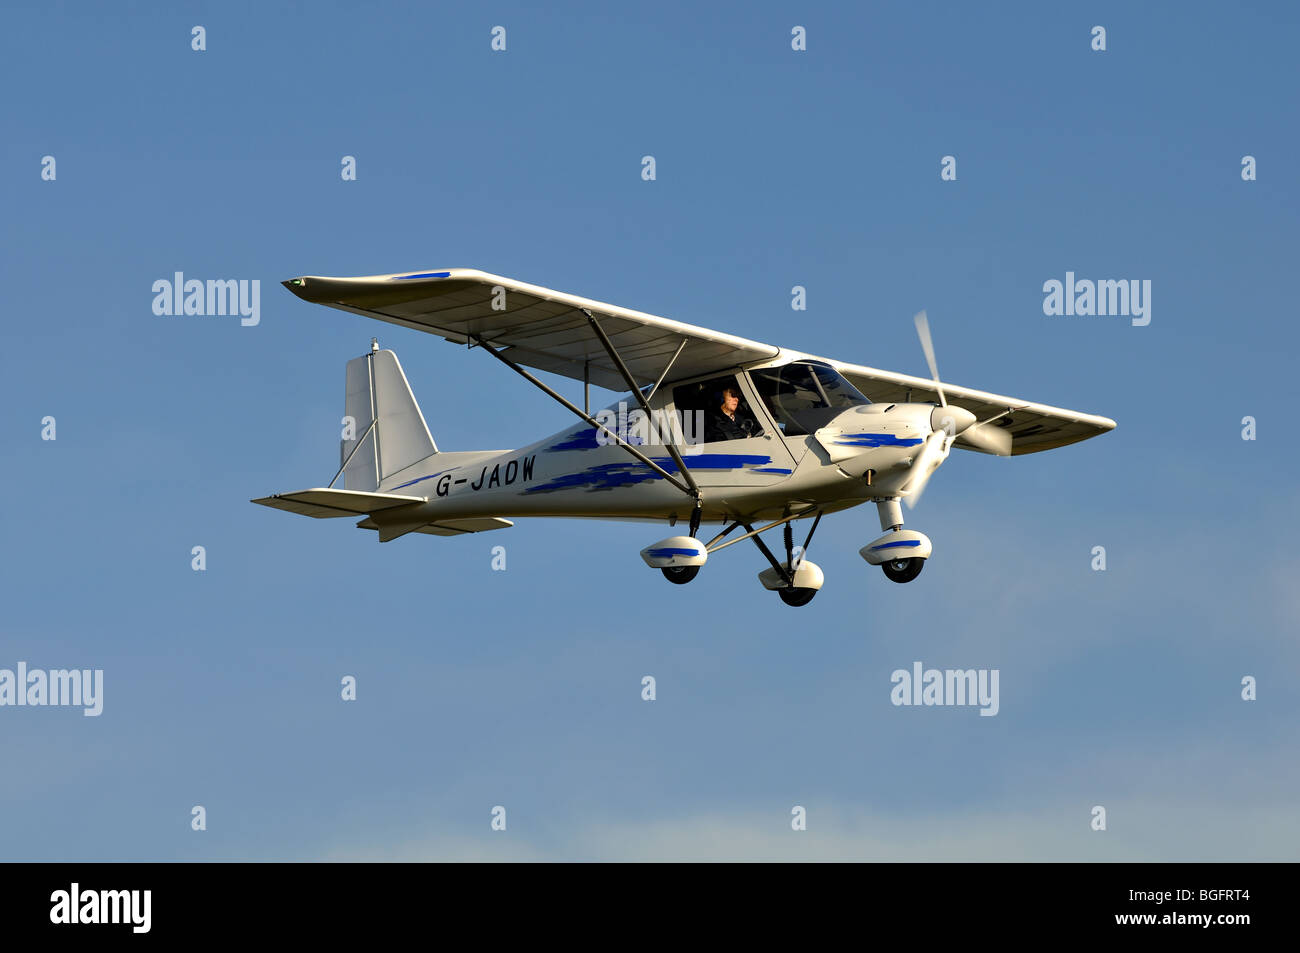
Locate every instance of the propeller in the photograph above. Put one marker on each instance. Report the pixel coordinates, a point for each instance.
(948, 424)
(992, 440)
(923, 332)
(933, 453)
(989, 438)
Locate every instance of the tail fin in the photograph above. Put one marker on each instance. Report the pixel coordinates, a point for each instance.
(388, 431)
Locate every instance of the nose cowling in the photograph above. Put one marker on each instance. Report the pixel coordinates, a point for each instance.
(952, 420)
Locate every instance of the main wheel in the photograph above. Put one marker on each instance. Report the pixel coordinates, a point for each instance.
(797, 597)
(680, 575)
(903, 570)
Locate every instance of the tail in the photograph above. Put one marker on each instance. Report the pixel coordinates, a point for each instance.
(384, 430)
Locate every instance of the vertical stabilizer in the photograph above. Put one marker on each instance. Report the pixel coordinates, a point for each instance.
(388, 431)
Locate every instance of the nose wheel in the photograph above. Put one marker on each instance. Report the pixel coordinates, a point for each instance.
(797, 597)
(796, 581)
(903, 570)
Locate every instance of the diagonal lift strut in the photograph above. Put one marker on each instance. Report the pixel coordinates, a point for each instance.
(645, 403)
(689, 488)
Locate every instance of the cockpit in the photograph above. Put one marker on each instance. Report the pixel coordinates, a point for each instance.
(805, 395)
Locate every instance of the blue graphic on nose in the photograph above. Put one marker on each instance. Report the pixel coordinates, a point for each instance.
(875, 440)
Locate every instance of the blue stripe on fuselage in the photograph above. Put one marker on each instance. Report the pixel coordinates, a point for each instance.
(421, 479)
(608, 476)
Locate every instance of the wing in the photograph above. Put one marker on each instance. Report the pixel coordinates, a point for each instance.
(1033, 427)
(547, 330)
(536, 327)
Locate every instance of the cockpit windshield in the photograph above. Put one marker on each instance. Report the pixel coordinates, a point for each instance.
(805, 395)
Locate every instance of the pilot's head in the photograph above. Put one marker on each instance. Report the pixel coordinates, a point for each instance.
(730, 400)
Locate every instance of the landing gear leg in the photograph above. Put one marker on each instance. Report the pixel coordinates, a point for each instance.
(891, 514)
(695, 517)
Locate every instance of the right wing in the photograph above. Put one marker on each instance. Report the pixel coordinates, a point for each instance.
(1033, 427)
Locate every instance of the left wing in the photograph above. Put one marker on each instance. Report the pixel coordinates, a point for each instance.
(535, 326)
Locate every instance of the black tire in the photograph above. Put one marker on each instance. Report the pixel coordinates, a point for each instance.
(903, 570)
(680, 575)
(797, 597)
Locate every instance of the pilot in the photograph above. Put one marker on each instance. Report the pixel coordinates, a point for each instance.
(729, 422)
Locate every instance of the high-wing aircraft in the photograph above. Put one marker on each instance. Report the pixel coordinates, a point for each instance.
(715, 429)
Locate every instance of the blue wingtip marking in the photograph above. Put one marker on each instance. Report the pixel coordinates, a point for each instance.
(427, 274)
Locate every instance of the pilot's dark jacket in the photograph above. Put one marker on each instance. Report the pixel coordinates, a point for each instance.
(718, 426)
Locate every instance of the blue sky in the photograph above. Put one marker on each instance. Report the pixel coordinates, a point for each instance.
(522, 688)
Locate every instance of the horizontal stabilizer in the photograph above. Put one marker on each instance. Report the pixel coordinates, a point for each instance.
(324, 503)
(458, 527)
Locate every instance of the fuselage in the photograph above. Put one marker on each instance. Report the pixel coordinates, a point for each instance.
(809, 440)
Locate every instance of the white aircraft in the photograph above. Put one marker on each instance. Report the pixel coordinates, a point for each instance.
(716, 429)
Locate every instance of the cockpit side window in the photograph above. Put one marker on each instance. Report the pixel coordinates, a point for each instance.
(805, 395)
(721, 404)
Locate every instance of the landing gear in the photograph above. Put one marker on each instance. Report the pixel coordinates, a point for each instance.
(901, 553)
(796, 580)
(902, 570)
(797, 597)
(679, 558)
(680, 575)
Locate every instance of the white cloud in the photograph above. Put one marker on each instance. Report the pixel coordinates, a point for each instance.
(1137, 831)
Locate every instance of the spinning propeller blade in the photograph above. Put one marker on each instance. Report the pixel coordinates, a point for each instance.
(927, 461)
(989, 438)
(923, 332)
(981, 435)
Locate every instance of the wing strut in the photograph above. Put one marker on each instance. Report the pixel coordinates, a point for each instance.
(691, 490)
(645, 404)
(714, 545)
(348, 459)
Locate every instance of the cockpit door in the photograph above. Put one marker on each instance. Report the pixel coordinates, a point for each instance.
(743, 448)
